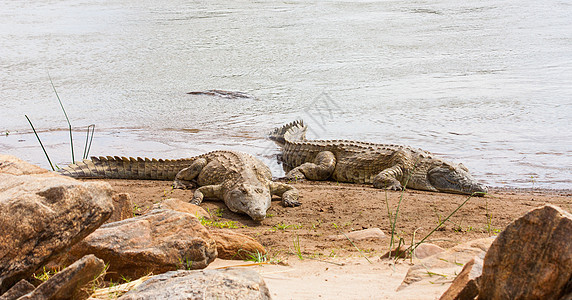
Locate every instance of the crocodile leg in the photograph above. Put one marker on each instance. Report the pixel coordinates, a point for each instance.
(208, 191)
(321, 169)
(390, 178)
(185, 177)
(288, 193)
(387, 179)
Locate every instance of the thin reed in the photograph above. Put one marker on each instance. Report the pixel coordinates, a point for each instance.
(42, 145)
(66, 115)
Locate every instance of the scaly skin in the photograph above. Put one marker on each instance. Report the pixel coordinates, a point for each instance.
(385, 166)
(243, 182)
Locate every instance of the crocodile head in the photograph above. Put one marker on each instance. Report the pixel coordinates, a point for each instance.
(454, 178)
(249, 199)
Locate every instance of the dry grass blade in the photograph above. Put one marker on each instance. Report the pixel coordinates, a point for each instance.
(118, 290)
(244, 265)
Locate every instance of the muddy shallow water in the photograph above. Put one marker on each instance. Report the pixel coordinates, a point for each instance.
(483, 83)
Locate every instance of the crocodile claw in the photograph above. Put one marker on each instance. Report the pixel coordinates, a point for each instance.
(395, 187)
(290, 199)
(295, 175)
(291, 203)
(184, 184)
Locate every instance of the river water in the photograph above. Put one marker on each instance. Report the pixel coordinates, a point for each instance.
(486, 83)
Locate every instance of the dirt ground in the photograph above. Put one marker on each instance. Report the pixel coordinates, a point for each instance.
(336, 269)
(330, 208)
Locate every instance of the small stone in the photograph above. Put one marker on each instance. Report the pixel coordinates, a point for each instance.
(399, 252)
(447, 264)
(359, 235)
(421, 252)
(182, 206)
(426, 249)
(234, 245)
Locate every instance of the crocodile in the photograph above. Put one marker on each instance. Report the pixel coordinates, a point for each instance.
(242, 181)
(386, 166)
(224, 94)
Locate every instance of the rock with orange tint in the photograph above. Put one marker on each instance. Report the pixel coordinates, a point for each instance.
(466, 284)
(531, 258)
(182, 206)
(122, 207)
(42, 214)
(159, 241)
(234, 245)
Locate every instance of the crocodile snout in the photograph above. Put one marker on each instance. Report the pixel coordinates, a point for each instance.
(257, 214)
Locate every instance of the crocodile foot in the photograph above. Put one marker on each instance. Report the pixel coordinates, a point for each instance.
(393, 186)
(295, 175)
(184, 184)
(291, 202)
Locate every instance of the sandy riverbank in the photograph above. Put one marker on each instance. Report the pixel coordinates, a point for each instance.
(332, 208)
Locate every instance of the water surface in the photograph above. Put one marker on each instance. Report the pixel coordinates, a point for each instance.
(485, 83)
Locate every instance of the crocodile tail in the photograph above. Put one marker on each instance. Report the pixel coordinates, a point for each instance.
(115, 167)
(295, 131)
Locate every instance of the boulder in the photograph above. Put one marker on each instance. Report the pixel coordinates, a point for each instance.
(360, 235)
(122, 207)
(178, 205)
(18, 290)
(234, 245)
(444, 266)
(231, 283)
(42, 214)
(159, 241)
(70, 283)
(531, 258)
(466, 284)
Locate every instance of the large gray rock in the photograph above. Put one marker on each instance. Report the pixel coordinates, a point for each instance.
(42, 214)
(70, 283)
(205, 284)
(531, 258)
(159, 241)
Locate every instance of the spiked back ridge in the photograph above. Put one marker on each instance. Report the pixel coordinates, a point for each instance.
(115, 167)
(295, 131)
